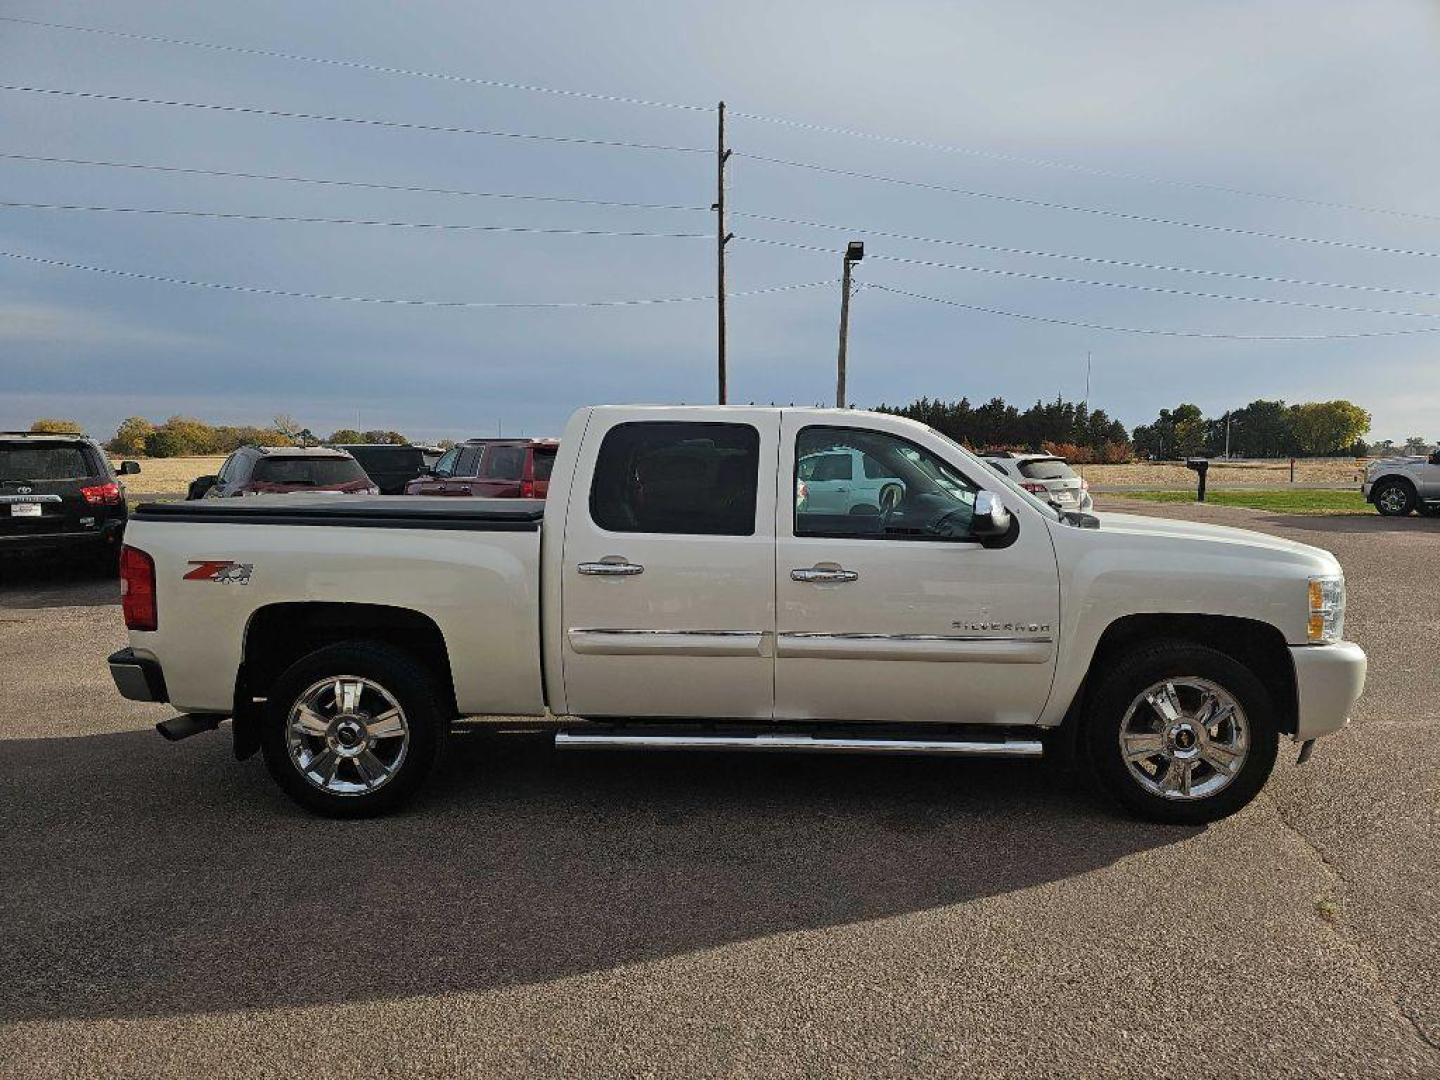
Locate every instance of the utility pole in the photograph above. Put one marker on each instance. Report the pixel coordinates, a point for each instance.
(854, 252)
(722, 155)
(1227, 434)
(1087, 380)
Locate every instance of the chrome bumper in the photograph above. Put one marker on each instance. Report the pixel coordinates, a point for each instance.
(138, 677)
(1328, 680)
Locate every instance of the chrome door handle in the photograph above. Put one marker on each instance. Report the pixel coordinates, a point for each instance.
(618, 568)
(821, 574)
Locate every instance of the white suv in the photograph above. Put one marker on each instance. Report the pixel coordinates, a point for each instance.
(1399, 485)
(1046, 476)
(842, 480)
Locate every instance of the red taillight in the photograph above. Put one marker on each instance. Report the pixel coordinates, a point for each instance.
(527, 489)
(1035, 489)
(102, 494)
(137, 589)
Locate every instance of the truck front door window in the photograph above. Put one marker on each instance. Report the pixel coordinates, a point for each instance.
(869, 484)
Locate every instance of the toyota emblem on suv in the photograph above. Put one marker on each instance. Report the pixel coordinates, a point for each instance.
(24, 490)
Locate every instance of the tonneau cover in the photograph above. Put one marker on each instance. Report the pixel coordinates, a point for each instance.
(355, 511)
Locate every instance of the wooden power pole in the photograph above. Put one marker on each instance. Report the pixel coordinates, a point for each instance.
(853, 254)
(722, 155)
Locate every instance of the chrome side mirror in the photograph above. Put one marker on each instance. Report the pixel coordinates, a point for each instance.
(991, 519)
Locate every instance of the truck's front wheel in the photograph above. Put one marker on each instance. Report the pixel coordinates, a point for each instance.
(352, 729)
(1393, 498)
(1180, 733)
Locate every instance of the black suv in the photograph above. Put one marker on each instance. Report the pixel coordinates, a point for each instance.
(59, 491)
(391, 465)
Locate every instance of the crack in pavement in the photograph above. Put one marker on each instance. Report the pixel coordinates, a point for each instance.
(1346, 934)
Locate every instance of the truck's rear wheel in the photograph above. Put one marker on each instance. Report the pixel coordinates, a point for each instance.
(1180, 733)
(1393, 498)
(353, 729)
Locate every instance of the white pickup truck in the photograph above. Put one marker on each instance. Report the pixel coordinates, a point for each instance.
(677, 591)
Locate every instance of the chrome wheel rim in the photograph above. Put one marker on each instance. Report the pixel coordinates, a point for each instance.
(1184, 738)
(347, 735)
(1392, 499)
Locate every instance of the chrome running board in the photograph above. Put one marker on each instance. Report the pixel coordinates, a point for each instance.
(580, 739)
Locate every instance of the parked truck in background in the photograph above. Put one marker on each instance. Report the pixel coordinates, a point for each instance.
(1398, 485)
(679, 591)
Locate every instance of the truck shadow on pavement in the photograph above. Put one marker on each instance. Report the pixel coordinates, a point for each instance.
(144, 879)
(46, 583)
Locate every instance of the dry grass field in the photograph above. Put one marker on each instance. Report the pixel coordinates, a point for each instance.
(168, 476)
(1275, 473)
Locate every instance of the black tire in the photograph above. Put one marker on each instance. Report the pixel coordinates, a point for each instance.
(1133, 675)
(398, 674)
(1393, 498)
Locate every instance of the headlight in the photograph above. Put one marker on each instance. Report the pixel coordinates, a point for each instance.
(1326, 624)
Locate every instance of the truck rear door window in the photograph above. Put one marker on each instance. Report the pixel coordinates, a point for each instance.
(675, 477)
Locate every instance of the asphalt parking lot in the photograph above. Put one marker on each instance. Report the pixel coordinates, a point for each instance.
(167, 912)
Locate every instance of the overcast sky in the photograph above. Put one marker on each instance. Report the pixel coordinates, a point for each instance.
(1154, 107)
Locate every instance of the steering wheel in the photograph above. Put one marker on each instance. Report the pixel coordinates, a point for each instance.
(888, 509)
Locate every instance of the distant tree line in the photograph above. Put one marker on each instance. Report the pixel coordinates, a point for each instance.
(184, 436)
(1067, 428)
(1262, 429)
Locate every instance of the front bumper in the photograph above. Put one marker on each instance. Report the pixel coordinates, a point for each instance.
(138, 678)
(1328, 680)
(1365, 489)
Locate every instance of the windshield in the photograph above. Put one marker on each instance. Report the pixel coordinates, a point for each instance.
(984, 469)
(309, 471)
(29, 461)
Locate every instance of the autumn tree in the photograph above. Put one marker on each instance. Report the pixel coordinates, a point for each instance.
(130, 436)
(49, 425)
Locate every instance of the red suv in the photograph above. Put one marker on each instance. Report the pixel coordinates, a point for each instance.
(492, 469)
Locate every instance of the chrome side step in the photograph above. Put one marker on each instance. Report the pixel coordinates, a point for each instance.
(580, 739)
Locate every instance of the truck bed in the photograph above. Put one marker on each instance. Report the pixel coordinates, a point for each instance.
(469, 566)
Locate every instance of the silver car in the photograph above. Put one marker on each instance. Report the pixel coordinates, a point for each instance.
(1045, 476)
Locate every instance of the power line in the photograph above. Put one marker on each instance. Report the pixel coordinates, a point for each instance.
(359, 65)
(263, 291)
(1122, 215)
(773, 218)
(1049, 163)
(293, 219)
(1130, 286)
(1094, 259)
(893, 140)
(251, 110)
(367, 185)
(1054, 320)
(811, 248)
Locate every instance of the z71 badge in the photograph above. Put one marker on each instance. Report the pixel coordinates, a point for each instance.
(222, 570)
